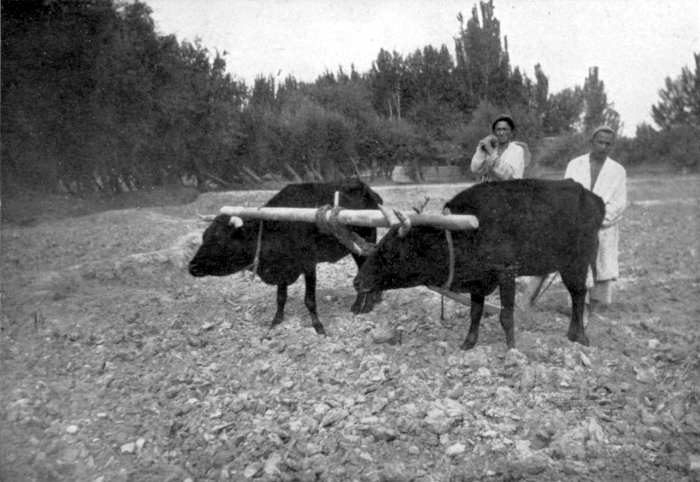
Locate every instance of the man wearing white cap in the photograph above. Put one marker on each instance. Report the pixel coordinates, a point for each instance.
(608, 179)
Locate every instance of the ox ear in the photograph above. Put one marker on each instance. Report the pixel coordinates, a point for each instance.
(236, 222)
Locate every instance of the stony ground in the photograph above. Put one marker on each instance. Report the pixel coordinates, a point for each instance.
(118, 366)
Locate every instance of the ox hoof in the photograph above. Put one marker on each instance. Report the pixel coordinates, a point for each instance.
(365, 302)
(466, 346)
(581, 338)
(320, 330)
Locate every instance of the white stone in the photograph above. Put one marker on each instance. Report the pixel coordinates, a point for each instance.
(366, 456)
(453, 408)
(251, 470)
(410, 408)
(647, 375)
(522, 447)
(334, 416)
(694, 462)
(586, 361)
(514, 357)
(72, 429)
(378, 404)
(271, 464)
(456, 449)
(321, 408)
(129, 448)
(595, 431)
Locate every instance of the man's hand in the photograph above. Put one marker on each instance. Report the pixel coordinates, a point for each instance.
(488, 143)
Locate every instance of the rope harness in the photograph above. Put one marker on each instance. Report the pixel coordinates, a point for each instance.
(451, 272)
(351, 240)
(451, 251)
(256, 260)
(330, 225)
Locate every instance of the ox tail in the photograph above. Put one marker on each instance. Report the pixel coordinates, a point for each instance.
(591, 222)
(594, 257)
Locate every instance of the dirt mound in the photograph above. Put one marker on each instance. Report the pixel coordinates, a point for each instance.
(28, 207)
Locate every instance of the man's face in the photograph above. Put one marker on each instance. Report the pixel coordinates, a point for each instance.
(503, 132)
(601, 144)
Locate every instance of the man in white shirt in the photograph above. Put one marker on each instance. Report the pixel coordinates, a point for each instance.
(608, 179)
(496, 157)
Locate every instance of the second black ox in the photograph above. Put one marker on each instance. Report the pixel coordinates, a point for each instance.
(288, 249)
(526, 227)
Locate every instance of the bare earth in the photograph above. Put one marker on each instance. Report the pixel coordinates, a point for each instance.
(119, 366)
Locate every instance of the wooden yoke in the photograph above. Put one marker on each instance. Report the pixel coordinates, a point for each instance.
(355, 217)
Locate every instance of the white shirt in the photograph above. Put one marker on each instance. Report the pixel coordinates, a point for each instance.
(611, 186)
(509, 165)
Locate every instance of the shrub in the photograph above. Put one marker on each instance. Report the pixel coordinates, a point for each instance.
(556, 152)
(678, 147)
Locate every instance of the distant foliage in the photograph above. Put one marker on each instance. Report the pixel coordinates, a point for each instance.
(598, 111)
(483, 68)
(323, 131)
(680, 100)
(92, 97)
(678, 148)
(677, 143)
(563, 112)
(557, 152)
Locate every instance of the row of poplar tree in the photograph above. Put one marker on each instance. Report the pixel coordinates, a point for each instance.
(94, 97)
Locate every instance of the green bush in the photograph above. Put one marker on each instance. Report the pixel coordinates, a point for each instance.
(393, 142)
(678, 148)
(556, 152)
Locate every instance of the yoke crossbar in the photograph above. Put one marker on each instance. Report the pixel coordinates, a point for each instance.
(354, 217)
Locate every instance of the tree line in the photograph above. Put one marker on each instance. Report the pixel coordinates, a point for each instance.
(94, 98)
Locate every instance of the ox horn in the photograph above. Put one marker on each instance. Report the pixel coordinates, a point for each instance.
(206, 217)
(236, 221)
(420, 207)
(405, 223)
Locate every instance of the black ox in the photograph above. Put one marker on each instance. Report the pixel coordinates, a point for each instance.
(526, 227)
(287, 249)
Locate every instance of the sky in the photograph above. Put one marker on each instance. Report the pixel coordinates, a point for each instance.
(636, 44)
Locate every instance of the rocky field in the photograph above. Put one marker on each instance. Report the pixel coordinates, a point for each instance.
(119, 366)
